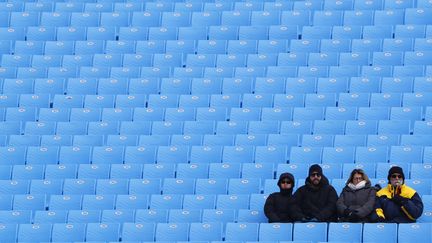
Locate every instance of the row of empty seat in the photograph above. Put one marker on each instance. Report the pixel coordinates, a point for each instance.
(299, 17)
(274, 119)
(167, 6)
(144, 53)
(221, 172)
(225, 170)
(168, 186)
(200, 88)
(216, 232)
(309, 141)
(131, 53)
(226, 60)
(217, 72)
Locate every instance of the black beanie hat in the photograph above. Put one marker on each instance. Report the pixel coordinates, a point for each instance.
(315, 168)
(395, 169)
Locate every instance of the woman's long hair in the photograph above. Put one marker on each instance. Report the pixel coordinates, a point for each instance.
(358, 171)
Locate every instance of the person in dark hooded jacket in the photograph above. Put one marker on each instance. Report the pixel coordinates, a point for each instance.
(397, 203)
(280, 206)
(356, 202)
(317, 198)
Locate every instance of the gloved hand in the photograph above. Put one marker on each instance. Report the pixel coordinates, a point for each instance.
(399, 200)
(347, 212)
(353, 217)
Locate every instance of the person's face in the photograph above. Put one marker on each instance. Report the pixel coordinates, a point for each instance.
(315, 178)
(396, 179)
(357, 178)
(286, 184)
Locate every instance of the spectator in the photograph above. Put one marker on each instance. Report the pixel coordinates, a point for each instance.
(356, 202)
(280, 206)
(397, 203)
(317, 198)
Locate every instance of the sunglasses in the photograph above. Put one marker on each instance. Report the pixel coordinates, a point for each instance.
(315, 175)
(286, 182)
(394, 176)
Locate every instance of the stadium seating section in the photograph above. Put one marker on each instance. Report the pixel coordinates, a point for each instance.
(171, 120)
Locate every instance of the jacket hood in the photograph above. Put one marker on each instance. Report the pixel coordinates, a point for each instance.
(288, 176)
(284, 176)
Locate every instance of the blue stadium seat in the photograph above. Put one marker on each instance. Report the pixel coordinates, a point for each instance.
(178, 186)
(152, 215)
(172, 201)
(74, 231)
(39, 128)
(327, 18)
(158, 170)
(84, 216)
(298, 17)
(309, 140)
(345, 231)
(171, 231)
(242, 231)
(310, 231)
(371, 154)
(384, 140)
(79, 186)
(145, 186)
(75, 155)
(117, 216)
(274, 153)
(54, 114)
(308, 113)
(29, 202)
(65, 202)
(62, 171)
(214, 185)
(199, 201)
(15, 217)
(232, 201)
(394, 127)
(275, 232)
(28, 172)
(51, 217)
(103, 232)
(184, 215)
(344, 154)
(34, 232)
(138, 231)
(329, 127)
(206, 231)
(244, 186)
(418, 232)
(218, 215)
(98, 202)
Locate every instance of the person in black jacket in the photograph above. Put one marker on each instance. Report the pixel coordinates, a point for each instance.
(280, 206)
(397, 203)
(317, 198)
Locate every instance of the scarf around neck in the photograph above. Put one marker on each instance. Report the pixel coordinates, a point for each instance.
(359, 185)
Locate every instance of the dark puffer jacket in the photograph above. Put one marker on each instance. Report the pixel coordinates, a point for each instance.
(317, 203)
(360, 201)
(397, 206)
(281, 206)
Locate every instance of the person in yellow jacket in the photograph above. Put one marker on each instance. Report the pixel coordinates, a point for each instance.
(397, 202)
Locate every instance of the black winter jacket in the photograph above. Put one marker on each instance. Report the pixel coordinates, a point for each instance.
(317, 202)
(281, 206)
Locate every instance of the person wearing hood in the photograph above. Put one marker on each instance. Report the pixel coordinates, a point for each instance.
(357, 200)
(280, 206)
(397, 202)
(317, 198)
